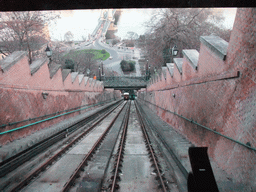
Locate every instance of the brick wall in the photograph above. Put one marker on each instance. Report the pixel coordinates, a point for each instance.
(214, 96)
(21, 96)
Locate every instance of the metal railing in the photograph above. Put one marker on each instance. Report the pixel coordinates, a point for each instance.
(122, 82)
(47, 119)
(207, 128)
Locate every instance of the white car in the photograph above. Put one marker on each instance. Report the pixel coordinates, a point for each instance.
(110, 58)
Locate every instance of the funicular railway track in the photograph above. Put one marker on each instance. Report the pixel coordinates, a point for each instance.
(86, 124)
(119, 157)
(135, 165)
(87, 158)
(114, 186)
(117, 154)
(12, 163)
(153, 156)
(58, 155)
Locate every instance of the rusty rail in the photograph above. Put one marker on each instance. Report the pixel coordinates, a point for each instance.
(57, 155)
(72, 179)
(151, 150)
(120, 151)
(18, 159)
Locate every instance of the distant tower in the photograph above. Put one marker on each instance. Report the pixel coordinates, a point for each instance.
(102, 14)
(110, 15)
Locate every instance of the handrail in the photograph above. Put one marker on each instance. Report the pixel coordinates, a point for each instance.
(207, 128)
(30, 119)
(41, 121)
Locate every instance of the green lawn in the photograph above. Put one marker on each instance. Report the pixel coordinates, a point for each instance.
(97, 54)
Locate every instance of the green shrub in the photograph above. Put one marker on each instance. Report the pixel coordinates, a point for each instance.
(69, 64)
(127, 65)
(103, 51)
(132, 65)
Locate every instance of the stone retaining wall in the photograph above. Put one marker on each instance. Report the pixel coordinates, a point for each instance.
(29, 91)
(217, 89)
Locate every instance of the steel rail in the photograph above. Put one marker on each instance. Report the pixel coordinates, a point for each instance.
(174, 157)
(73, 177)
(57, 155)
(13, 162)
(143, 128)
(121, 148)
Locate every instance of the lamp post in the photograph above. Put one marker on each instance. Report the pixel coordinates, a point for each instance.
(99, 73)
(174, 51)
(88, 72)
(149, 74)
(102, 70)
(147, 71)
(48, 53)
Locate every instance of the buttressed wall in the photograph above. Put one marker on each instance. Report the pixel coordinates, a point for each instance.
(29, 91)
(217, 89)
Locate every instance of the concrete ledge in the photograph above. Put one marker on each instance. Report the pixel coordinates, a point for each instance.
(85, 80)
(223, 76)
(170, 67)
(90, 81)
(36, 65)
(157, 78)
(216, 45)
(80, 78)
(73, 76)
(11, 60)
(150, 81)
(53, 70)
(97, 85)
(164, 70)
(101, 84)
(65, 73)
(94, 82)
(178, 62)
(192, 56)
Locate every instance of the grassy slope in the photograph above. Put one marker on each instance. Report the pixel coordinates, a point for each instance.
(97, 54)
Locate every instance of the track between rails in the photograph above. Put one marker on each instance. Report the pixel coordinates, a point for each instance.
(152, 153)
(175, 166)
(119, 158)
(82, 124)
(118, 152)
(135, 165)
(62, 152)
(12, 163)
(71, 180)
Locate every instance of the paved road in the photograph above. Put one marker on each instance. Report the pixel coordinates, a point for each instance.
(116, 54)
(113, 53)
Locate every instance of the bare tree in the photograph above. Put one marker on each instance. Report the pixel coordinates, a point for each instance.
(131, 37)
(25, 30)
(83, 61)
(181, 27)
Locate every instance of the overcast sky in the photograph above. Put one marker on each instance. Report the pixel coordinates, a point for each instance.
(82, 22)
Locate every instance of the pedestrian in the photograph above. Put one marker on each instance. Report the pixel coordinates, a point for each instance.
(94, 77)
